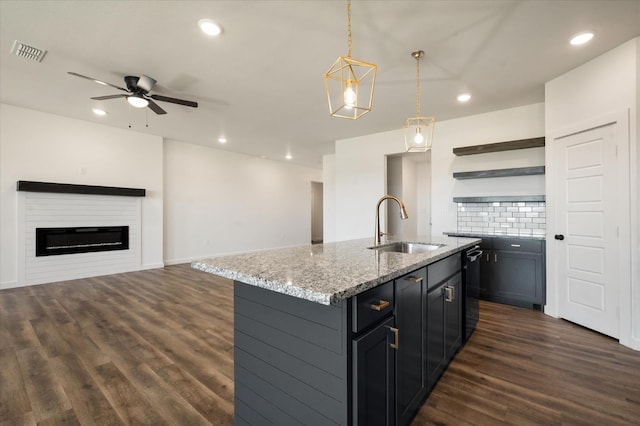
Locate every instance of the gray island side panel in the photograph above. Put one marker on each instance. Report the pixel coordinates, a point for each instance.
(290, 359)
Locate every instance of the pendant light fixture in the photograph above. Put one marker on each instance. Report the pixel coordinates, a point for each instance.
(418, 131)
(349, 83)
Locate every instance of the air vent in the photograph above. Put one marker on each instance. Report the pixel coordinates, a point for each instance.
(27, 52)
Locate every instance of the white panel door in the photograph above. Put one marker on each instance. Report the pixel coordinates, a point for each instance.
(587, 218)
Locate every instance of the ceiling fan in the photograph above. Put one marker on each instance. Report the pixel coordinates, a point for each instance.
(137, 95)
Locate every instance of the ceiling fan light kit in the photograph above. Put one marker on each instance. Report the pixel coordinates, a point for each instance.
(350, 83)
(418, 131)
(137, 101)
(137, 93)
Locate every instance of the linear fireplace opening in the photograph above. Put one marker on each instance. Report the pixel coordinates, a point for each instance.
(57, 241)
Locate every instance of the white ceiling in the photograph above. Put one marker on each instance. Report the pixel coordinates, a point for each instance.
(260, 83)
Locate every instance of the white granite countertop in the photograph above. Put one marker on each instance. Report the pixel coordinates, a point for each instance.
(327, 273)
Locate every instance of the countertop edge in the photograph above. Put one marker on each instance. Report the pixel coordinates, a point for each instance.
(275, 286)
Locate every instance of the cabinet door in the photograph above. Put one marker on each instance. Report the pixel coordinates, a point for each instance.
(374, 376)
(435, 335)
(410, 357)
(453, 316)
(517, 278)
(486, 265)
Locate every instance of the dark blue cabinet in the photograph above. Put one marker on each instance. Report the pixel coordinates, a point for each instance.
(444, 326)
(411, 317)
(453, 316)
(513, 272)
(374, 376)
(435, 335)
(444, 315)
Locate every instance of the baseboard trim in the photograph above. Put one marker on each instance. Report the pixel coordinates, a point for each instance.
(152, 266)
(10, 284)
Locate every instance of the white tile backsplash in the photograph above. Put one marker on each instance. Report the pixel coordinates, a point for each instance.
(510, 218)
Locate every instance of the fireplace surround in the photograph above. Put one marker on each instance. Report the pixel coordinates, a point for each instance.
(68, 231)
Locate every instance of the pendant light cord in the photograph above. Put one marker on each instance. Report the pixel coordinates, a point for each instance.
(418, 78)
(349, 25)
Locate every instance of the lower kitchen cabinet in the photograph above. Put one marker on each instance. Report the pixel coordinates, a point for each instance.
(444, 325)
(374, 361)
(485, 267)
(411, 317)
(435, 332)
(444, 315)
(453, 316)
(513, 272)
(426, 325)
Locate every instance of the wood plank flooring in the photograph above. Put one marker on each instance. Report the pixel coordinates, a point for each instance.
(156, 347)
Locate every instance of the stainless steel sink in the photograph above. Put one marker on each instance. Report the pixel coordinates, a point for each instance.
(406, 247)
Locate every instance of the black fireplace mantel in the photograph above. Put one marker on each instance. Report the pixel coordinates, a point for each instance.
(69, 188)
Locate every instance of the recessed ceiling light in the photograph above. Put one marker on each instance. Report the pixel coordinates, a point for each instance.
(222, 140)
(100, 112)
(464, 97)
(581, 38)
(209, 27)
(288, 157)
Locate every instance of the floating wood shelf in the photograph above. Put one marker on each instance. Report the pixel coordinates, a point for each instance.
(498, 198)
(500, 146)
(520, 171)
(68, 188)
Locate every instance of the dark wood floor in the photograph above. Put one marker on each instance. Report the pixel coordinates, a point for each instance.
(156, 347)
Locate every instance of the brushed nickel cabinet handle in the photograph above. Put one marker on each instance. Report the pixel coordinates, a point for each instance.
(383, 304)
(396, 337)
(515, 245)
(495, 257)
(415, 279)
(449, 293)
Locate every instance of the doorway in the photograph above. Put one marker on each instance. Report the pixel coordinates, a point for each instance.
(317, 230)
(409, 178)
(588, 252)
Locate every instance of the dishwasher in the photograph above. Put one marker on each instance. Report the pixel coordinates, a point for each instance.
(470, 290)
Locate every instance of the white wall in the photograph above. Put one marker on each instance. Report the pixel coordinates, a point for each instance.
(329, 197)
(608, 85)
(360, 164)
(497, 126)
(423, 197)
(38, 146)
(360, 180)
(218, 202)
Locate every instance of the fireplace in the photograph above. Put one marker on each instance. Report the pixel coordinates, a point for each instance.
(58, 241)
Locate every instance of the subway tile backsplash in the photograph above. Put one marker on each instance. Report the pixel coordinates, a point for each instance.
(503, 218)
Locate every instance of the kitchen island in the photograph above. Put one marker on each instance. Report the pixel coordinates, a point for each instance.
(317, 330)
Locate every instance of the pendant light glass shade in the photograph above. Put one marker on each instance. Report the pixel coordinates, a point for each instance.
(418, 131)
(350, 84)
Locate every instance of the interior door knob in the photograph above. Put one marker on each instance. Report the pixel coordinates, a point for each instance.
(559, 237)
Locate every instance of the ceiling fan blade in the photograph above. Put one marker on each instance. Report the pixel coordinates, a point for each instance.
(146, 83)
(104, 98)
(97, 81)
(156, 108)
(174, 101)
